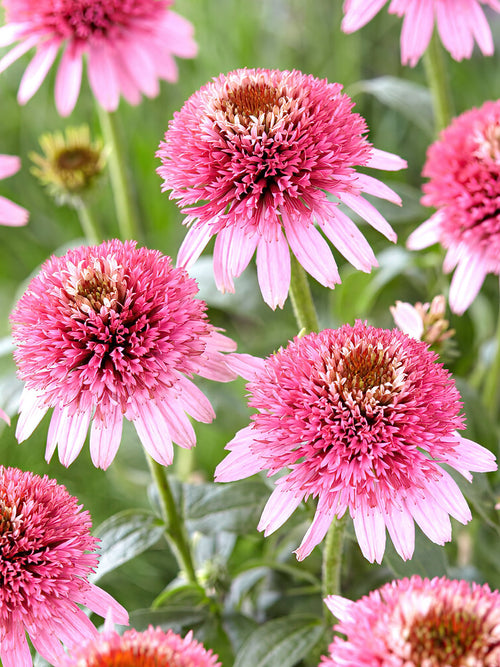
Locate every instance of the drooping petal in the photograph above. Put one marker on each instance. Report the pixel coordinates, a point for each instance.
(37, 70)
(273, 270)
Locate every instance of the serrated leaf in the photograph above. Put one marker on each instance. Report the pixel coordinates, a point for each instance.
(282, 641)
(230, 507)
(124, 536)
(408, 98)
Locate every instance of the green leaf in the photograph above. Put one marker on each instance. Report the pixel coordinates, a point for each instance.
(233, 507)
(282, 641)
(124, 536)
(180, 618)
(184, 595)
(408, 98)
(429, 559)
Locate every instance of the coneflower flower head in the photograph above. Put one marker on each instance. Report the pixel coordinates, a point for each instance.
(110, 332)
(249, 158)
(150, 648)
(360, 418)
(463, 168)
(46, 555)
(129, 46)
(418, 622)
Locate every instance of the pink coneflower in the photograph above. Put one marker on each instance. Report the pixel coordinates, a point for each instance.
(250, 156)
(418, 623)
(114, 331)
(129, 46)
(11, 214)
(463, 166)
(46, 555)
(150, 648)
(360, 418)
(459, 24)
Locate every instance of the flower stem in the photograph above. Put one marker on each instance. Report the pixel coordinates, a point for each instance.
(332, 558)
(492, 386)
(439, 83)
(302, 302)
(175, 531)
(88, 223)
(124, 204)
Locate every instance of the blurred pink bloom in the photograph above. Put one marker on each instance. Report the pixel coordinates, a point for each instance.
(150, 648)
(418, 622)
(46, 555)
(459, 23)
(423, 321)
(463, 166)
(250, 156)
(129, 46)
(4, 416)
(113, 331)
(360, 418)
(11, 214)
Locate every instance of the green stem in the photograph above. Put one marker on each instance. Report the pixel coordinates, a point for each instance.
(302, 302)
(492, 385)
(124, 204)
(439, 83)
(175, 529)
(88, 223)
(332, 559)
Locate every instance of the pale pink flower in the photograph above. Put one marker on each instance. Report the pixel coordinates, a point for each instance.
(463, 166)
(150, 648)
(418, 623)
(423, 321)
(250, 156)
(129, 47)
(459, 24)
(11, 214)
(360, 418)
(113, 331)
(46, 555)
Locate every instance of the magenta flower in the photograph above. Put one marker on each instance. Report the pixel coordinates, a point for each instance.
(463, 166)
(360, 418)
(129, 46)
(11, 214)
(150, 648)
(418, 623)
(458, 25)
(250, 156)
(46, 555)
(113, 331)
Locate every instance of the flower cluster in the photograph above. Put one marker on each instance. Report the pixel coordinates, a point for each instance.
(46, 555)
(360, 418)
(129, 46)
(250, 156)
(113, 331)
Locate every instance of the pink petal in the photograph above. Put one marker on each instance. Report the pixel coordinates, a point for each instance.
(105, 436)
(339, 606)
(102, 76)
(14, 650)
(428, 233)
(240, 462)
(401, 529)
(273, 270)
(433, 521)
(369, 527)
(349, 241)
(312, 251)
(407, 318)
(153, 433)
(387, 161)
(232, 252)
(245, 365)
(180, 35)
(4, 416)
(194, 401)
(466, 283)
(11, 32)
(9, 165)
(373, 186)
(280, 506)
(358, 13)
(18, 51)
(454, 29)
(179, 426)
(100, 602)
(370, 214)
(31, 412)
(418, 24)
(37, 70)
(193, 245)
(446, 493)
(318, 528)
(11, 214)
(134, 57)
(480, 27)
(68, 81)
(69, 432)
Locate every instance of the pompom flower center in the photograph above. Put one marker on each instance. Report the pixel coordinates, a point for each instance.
(97, 286)
(9, 519)
(451, 637)
(250, 101)
(81, 19)
(488, 141)
(366, 374)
